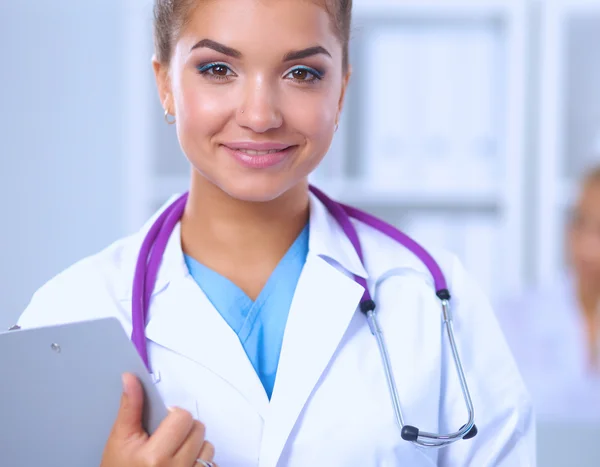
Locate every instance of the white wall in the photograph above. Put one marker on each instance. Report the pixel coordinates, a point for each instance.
(60, 139)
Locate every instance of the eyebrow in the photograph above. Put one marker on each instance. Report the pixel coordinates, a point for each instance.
(218, 47)
(293, 55)
(304, 53)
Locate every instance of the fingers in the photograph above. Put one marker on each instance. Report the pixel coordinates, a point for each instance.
(205, 456)
(195, 447)
(172, 432)
(129, 418)
(203, 463)
(179, 437)
(207, 452)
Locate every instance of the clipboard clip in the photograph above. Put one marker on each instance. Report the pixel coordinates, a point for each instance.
(155, 377)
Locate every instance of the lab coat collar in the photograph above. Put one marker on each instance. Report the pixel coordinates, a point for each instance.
(327, 240)
(172, 264)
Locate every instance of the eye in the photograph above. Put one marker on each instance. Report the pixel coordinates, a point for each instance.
(305, 74)
(216, 71)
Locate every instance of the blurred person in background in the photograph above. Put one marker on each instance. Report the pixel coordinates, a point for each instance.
(554, 331)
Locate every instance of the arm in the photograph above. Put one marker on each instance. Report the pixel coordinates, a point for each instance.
(503, 411)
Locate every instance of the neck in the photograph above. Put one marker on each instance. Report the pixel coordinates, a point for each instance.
(217, 228)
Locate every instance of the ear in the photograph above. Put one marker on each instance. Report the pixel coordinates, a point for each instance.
(163, 84)
(345, 82)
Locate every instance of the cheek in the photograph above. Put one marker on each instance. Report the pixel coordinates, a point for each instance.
(200, 114)
(314, 117)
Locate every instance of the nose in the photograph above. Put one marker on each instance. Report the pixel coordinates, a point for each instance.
(259, 109)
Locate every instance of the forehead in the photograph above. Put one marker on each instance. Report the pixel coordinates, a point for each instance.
(269, 25)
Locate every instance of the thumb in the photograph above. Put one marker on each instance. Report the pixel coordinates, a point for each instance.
(129, 418)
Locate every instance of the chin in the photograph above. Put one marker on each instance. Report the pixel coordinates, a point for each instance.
(259, 191)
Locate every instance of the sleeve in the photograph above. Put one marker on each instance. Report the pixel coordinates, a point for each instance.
(79, 293)
(49, 305)
(43, 305)
(503, 410)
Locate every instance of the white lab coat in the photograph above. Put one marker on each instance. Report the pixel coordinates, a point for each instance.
(330, 405)
(546, 332)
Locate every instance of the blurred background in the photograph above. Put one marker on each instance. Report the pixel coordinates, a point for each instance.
(469, 124)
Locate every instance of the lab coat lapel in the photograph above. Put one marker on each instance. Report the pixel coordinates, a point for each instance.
(325, 301)
(185, 321)
(182, 319)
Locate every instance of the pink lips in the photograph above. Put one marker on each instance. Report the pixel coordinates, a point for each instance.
(254, 155)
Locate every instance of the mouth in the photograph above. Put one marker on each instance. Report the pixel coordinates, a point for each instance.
(254, 152)
(259, 155)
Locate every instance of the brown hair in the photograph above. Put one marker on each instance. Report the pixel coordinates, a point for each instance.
(170, 17)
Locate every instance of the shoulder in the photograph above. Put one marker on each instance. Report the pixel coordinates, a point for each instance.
(397, 271)
(384, 254)
(94, 287)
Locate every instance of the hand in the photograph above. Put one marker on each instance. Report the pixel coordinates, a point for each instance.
(178, 441)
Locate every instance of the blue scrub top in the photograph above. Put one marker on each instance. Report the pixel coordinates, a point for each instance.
(259, 324)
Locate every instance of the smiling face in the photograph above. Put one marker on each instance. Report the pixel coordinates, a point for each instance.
(256, 87)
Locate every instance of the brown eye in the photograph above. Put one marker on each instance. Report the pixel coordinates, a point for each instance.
(219, 70)
(304, 74)
(300, 74)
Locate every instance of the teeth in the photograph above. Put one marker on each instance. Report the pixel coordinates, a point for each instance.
(252, 152)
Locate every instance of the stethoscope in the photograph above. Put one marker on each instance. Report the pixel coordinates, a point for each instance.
(155, 242)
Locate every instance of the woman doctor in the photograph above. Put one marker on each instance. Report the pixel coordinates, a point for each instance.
(254, 327)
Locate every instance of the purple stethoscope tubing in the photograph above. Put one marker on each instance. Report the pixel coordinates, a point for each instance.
(153, 248)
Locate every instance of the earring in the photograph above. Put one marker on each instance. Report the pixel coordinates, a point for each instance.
(337, 125)
(170, 122)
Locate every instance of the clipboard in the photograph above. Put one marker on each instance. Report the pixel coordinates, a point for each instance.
(60, 389)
